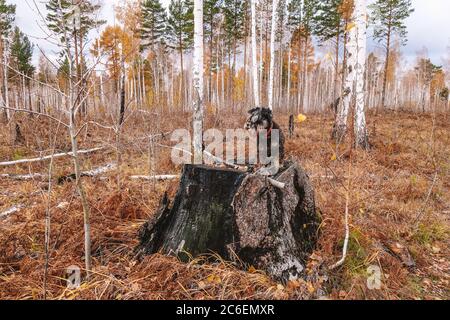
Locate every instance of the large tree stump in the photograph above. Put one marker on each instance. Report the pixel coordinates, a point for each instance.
(239, 216)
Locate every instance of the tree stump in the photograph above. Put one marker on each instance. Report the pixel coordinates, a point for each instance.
(242, 217)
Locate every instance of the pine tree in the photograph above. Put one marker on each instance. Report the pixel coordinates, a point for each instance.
(7, 17)
(328, 20)
(22, 54)
(389, 18)
(328, 24)
(154, 20)
(62, 18)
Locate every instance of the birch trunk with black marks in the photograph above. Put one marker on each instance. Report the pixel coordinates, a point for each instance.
(272, 53)
(360, 16)
(198, 82)
(254, 56)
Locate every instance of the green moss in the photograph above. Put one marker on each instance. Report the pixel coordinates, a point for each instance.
(415, 284)
(355, 262)
(427, 233)
(18, 155)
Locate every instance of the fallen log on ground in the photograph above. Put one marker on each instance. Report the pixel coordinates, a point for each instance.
(242, 217)
(156, 178)
(91, 173)
(10, 211)
(23, 177)
(57, 155)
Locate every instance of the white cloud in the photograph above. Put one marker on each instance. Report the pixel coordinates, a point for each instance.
(428, 26)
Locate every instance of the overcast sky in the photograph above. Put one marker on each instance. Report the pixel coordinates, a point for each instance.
(428, 26)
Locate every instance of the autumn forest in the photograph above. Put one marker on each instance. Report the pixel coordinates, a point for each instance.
(87, 111)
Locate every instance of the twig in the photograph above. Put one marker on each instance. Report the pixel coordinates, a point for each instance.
(347, 235)
(37, 113)
(422, 210)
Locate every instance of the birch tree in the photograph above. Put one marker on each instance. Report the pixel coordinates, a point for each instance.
(340, 125)
(198, 82)
(179, 34)
(354, 80)
(7, 17)
(360, 20)
(254, 55)
(272, 52)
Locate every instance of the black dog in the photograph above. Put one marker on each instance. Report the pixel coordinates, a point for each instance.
(262, 119)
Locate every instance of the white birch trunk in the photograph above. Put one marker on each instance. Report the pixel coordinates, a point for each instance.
(198, 82)
(5, 78)
(360, 18)
(272, 52)
(340, 127)
(254, 55)
(289, 79)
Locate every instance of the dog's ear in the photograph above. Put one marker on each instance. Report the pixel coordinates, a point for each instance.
(251, 111)
(266, 112)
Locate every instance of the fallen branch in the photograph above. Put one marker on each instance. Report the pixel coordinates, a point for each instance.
(155, 178)
(11, 210)
(91, 173)
(59, 155)
(23, 177)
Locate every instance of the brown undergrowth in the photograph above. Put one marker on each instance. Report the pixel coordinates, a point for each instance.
(399, 209)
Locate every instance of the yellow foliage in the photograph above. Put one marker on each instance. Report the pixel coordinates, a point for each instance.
(350, 26)
(109, 43)
(301, 118)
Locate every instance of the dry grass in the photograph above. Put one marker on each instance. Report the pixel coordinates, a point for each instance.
(390, 189)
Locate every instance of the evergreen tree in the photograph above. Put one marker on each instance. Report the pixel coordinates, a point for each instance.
(389, 18)
(180, 25)
(7, 16)
(328, 24)
(154, 21)
(211, 11)
(234, 13)
(63, 17)
(328, 20)
(22, 54)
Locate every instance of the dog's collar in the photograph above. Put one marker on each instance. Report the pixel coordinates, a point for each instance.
(269, 132)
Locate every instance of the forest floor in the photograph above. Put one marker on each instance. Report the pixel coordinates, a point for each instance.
(399, 214)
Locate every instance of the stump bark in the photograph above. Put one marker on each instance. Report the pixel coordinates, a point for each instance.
(242, 217)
